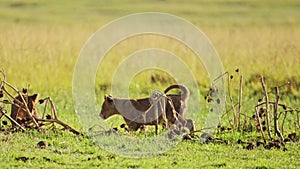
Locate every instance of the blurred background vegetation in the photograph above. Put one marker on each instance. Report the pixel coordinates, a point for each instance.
(41, 40)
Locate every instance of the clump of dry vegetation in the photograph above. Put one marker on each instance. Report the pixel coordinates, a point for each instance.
(276, 122)
(24, 114)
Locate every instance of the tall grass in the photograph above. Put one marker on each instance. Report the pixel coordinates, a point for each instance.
(41, 40)
(45, 56)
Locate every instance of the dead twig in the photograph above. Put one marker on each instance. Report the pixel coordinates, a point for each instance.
(240, 101)
(277, 131)
(221, 75)
(283, 120)
(267, 106)
(55, 119)
(279, 104)
(201, 130)
(45, 107)
(53, 109)
(227, 113)
(231, 100)
(260, 125)
(67, 127)
(298, 120)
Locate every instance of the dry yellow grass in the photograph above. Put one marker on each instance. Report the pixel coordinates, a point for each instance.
(37, 54)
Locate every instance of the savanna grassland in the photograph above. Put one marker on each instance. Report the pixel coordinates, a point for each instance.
(41, 40)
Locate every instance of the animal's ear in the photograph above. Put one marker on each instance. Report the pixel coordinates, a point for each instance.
(108, 98)
(34, 98)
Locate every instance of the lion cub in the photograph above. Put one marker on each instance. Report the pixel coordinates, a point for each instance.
(124, 109)
(17, 109)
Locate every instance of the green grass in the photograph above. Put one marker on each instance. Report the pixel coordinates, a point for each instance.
(67, 151)
(41, 40)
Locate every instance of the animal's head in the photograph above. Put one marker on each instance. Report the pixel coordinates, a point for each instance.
(108, 107)
(32, 101)
(31, 104)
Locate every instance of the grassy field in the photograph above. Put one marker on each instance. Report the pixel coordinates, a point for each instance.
(41, 40)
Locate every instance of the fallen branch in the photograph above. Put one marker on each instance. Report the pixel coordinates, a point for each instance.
(67, 127)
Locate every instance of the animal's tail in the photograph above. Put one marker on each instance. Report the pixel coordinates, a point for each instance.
(185, 91)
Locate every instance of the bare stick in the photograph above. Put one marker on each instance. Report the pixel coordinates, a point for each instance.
(277, 131)
(12, 120)
(206, 128)
(1, 115)
(227, 113)
(67, 127)
(298, 120)
(230, 97)
(53, 109)
(282, 125)
(267, 106)
(12, 97)
(220, 76)
(282, 105)
(45, 108)
(231, 100)
(260, 126)
(280, 86)
(240, 101)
